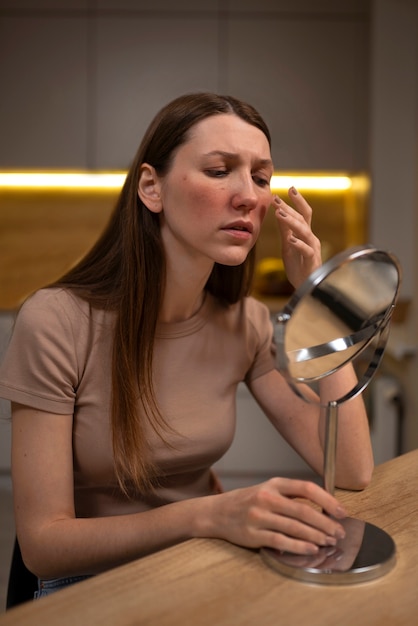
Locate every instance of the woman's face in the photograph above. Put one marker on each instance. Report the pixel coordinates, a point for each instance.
(216, 194)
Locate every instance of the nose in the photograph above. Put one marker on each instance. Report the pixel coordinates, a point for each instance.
(245, 193)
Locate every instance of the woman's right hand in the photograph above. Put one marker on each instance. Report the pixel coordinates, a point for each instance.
(285, 514)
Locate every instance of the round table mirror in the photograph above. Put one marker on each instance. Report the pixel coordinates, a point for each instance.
(340, 315)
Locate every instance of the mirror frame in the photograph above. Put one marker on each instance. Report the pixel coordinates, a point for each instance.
(378, 332)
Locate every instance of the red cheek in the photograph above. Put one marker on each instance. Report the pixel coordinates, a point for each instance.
(203, 199)
(263, 213)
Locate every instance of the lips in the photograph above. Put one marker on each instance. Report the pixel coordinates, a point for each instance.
(240, 226)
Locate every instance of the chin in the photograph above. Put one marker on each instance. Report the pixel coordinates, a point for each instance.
(234, 258)
(232, 262)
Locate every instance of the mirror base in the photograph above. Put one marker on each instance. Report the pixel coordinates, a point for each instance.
(366, 553)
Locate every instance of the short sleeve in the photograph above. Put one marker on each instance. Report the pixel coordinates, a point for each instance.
(41, 368)
(261, 333)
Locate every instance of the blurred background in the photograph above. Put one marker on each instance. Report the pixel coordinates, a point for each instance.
(337, 83)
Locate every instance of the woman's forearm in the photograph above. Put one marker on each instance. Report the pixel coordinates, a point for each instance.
(78, 546)
(277, 513)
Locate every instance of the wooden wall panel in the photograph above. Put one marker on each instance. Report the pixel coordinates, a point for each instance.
(42, 235)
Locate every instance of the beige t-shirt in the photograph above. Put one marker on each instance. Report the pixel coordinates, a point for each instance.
(59, 360)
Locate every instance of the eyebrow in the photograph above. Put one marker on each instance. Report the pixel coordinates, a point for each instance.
(233, 155)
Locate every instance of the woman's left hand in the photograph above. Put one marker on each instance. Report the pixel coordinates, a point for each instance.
(301, 249)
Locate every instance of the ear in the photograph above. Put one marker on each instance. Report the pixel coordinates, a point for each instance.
(149, 188)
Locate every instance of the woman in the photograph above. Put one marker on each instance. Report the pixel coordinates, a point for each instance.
(123, 374)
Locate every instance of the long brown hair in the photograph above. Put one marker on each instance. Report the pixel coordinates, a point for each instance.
(125, 270)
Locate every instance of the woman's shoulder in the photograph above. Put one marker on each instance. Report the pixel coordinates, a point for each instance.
(253, 311)
(50, 296)
(61, 303)
(255, 307)
(53, 300)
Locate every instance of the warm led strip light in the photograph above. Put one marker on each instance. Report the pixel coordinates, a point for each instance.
(114, 180)
(311, 183)
(62, 180)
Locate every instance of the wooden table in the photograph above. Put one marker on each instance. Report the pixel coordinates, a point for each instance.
(205, 581)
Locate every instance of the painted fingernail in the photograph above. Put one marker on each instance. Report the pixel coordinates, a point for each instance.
(294, 191)
(340, 512)
(277, 200)
(330, 541)
(340, 533)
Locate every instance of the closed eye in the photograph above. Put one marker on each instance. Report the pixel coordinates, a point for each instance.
(261, 182)
(217, 173)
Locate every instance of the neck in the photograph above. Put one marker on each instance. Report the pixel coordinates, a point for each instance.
(182, 298)
(173, 310)
(186, 277)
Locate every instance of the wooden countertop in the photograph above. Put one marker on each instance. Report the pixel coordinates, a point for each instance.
(211, 582)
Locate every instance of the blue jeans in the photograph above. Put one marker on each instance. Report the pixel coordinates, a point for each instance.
(46, 587)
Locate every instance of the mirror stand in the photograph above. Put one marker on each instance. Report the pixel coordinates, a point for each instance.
(347, 305)
(367, 552)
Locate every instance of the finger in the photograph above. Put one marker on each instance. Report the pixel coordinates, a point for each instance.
(310, 491)
(284, 544)
(304, 523)
(304, 250)
(282, 213)
(283, 209)
(301, 204)
(293, 226)
(317, 526)
(294, 545)
(290, 221)
(295, 518)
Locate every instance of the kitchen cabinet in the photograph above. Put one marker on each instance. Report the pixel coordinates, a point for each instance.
(44, 116)
(143, 62)
(309, 78)
(82, 80)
